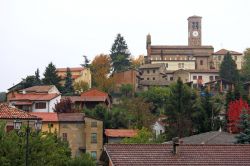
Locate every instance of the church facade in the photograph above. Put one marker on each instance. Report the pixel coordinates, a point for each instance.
(194, 62)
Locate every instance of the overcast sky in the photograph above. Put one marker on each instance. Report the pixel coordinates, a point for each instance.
(36, 32)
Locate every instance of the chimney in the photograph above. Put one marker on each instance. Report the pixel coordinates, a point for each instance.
(176, 144)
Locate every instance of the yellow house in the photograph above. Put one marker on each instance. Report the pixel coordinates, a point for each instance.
(50, 121)
(78, 74)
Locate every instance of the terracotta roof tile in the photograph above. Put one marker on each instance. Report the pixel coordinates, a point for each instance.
(120, 132)
(46, 117)
(39, 89)
(94, 95)
(71, 117)
(71, 69)
(224, 52)
(8, 112)
(161, 154)
(34, 97)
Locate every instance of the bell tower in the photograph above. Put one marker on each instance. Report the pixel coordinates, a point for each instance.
(194, 31)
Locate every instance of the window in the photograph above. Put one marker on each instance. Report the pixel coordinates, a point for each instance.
(194, 77)
(153, 71)
(93, 138)
(93, 124)
(148, 71)
(40, 105)
(171, 78)
(65, 136)
(219, 57)
(166, 65)
(180, 65)
(211, 78)
(201, 62)
(147, 78)
(153, 78)
(93, 154)
(235, 58)
(199, 77)
(217, 77)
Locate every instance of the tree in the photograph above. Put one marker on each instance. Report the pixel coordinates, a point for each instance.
(64, 106)
(158, 96)
(29, 81)
(68, 87)
(120, 54)
(126, 90)
(179, 110)
(100, 70)
(233, 114)
(83, 160)
(245, 71)
(139, 112)
(244, 126)
(136, 62)
(37, 77)
(80, 86)
(45, 149)
(50, 76)
(228, 69)
(86, 62)
(144, 136)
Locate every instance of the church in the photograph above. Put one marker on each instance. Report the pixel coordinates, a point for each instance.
(194, 62)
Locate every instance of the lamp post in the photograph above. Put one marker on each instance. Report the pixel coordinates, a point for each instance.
(27, 133)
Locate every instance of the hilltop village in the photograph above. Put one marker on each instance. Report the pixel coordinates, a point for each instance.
(176, 105)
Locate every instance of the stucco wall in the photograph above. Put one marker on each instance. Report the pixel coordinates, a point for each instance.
(99, 130)
(174, 65)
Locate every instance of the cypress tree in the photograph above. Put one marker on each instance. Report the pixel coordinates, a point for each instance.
(68, 87)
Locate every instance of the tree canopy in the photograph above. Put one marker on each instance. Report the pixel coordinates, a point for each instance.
(245, 71)
(50, 76)
(120, 54)
(228, 69)
(68, 86)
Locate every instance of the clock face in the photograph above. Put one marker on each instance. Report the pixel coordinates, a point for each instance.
(195, 33)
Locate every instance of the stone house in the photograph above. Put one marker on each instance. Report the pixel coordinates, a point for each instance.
(152, 75)
(84, 134)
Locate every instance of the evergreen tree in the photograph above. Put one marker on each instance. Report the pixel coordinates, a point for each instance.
(86, 62)
(245, 71)
(29, 81)
(178, 110)
(50, 76)
(68, 87)
(244, 136)
(37, 77)
(228, 69)
(120, 54)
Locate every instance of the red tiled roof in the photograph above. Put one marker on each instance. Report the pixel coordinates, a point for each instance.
(94, 95)
(46, 117)
(224, 52)
(71, 69)
(120, 132)
(39, 89)
(34, 97)
(161, 154)
(8, 112)
(71, 117)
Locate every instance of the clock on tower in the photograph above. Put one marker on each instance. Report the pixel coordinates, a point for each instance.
(194, 31)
